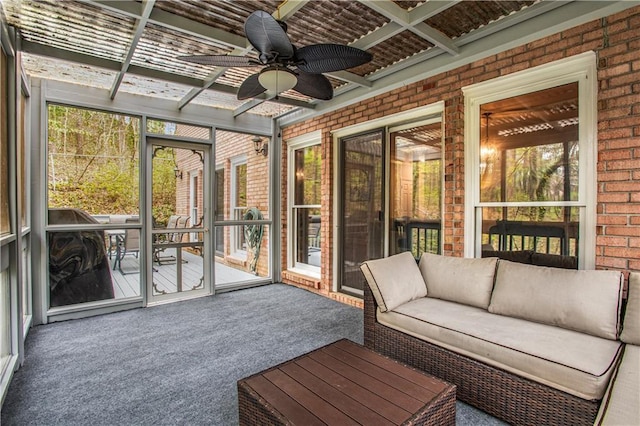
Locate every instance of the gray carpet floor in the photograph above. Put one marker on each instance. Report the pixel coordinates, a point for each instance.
(174, 364)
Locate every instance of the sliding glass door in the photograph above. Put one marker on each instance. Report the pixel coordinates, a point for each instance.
(361, 207)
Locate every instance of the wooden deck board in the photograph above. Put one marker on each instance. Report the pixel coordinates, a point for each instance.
(164, 275)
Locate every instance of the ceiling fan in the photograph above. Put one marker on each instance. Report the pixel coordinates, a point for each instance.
(286, 67)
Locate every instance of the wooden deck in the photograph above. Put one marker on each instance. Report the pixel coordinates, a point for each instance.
(127, 283)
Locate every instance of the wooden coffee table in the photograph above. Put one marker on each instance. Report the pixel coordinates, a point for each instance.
(345, 384)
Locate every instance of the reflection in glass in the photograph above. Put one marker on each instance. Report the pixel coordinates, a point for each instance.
(362, 204)
(22, 150)
(539, 229)
(5, 225)
(529, 147)
(416, 190)
(529, 153)
(306, 205)
(307, 243)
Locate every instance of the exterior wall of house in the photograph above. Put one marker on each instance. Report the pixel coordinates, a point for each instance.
(616, 41)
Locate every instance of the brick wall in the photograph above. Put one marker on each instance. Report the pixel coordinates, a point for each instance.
(615, 39)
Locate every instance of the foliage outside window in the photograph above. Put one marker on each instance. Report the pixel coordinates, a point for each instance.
(93, 161)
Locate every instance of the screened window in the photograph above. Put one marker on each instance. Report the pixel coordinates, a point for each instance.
(93, 183)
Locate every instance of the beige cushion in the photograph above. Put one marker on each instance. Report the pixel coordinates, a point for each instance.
(394, 280)
(631, 324)
(586, 301)
(576, 363)
(458, 279)
(621, 403)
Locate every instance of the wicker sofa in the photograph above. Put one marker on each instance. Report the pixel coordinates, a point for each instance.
(527, 344)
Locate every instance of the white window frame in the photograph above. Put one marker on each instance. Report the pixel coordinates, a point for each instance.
(297, 143)
(235, 236)
(581, 69)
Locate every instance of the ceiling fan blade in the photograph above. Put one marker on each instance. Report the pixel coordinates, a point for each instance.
(319, 58)
(227, 61)
(267, 36)
(250, 87)
(315, 85)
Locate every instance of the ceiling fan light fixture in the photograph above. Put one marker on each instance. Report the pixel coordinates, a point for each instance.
(277, 79)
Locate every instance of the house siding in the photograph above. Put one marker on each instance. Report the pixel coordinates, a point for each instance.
(616, 41)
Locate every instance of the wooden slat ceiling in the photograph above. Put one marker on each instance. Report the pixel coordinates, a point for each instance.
(124, 38)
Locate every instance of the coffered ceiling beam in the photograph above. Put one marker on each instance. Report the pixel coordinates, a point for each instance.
(540, 20)
(350, 77)
(66, 55)
(142, 22)
(413, 23)
(175, 22)
(378, 36)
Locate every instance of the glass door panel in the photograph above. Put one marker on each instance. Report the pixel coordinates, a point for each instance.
(178, 241)
(416, 189)
(362, 202)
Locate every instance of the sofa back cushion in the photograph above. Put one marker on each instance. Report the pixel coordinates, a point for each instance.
(457, 279)
(394, 280)
(631, 325)
(585, 301)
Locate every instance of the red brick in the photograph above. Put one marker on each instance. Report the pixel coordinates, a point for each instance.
(612, 220)
(629, 231)
(610, 262)
(622, 252)
(623, 208)
(611, 241)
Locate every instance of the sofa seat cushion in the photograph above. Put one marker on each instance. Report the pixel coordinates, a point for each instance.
(585, 301)
(621, 403)
(573, 362)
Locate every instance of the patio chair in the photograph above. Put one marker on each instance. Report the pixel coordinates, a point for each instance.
(175, 222)
(130, 244)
